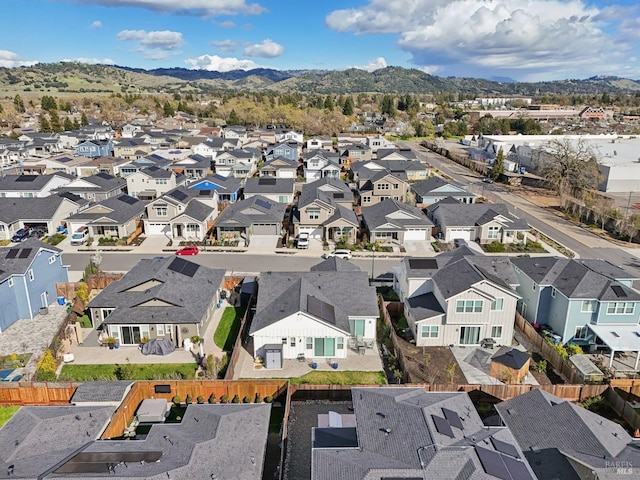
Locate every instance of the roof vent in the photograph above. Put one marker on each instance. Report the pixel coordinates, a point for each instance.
(380, 414)
(386, 431)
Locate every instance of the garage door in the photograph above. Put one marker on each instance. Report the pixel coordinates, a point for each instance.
(464, 234)
(156, 228)
(313, 232)
(265, 229)
(415, 234)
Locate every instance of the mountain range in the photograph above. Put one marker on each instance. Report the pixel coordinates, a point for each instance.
(78, 77)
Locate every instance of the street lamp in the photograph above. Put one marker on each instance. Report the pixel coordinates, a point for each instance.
(373, 258)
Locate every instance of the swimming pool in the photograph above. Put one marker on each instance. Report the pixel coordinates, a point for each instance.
(5, 373)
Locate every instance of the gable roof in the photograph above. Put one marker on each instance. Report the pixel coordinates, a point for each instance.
(224, 184)
(325, 190)
(256, 209)
(476, 214)
(101, 182)
(335, 264)
(18, 183)
(121, 209)
(17, 260)
(396, 213)
(181, 291)
(279, 163)
(460, 275)
(266, 185)
(407, 153)
(31, 210)
(342, 293)
(438, 186)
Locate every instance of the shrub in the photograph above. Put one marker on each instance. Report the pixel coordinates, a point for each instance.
(212, 398)
(247, 399)
(82, 292)
(573, 349)
(235, 399)
(494, 247)
(540, 366)
(188, 399)
(196, 339)
(560, 350)
(124, 372)
(268, 399)
(592, 403)
(224, 399)
(258, 398)
(47, 366)
(200, 399)
(176, 400)
(56, 238)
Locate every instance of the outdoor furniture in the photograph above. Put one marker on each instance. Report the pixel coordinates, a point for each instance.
(301, 357)
(487, 343)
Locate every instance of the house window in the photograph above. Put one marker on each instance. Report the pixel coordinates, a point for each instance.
(396, 186)
(588, 306)
(314, 214)
(429, 331)
(493, 232)
(581, 333)
(10, 282)
(52, 259)
(553, 292)
(161, 181)
(620, 308)
(160, 330)
(31, 276)
(383, 186)
(193, 227)
(497, 305)
(161, 211)
(292, 342)
(533, 287)
(309, 345)
(496, 331)
(284, 340)
(106, 312)
(468, 306)
(366, 199)
(340, 343)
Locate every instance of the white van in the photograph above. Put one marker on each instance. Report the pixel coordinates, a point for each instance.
(80, 236)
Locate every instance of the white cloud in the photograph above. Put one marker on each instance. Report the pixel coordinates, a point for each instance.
(267, 49)
(529, 36)
(10, 59)
(198, 8)
(375, 64)
(226, 24)
(91, 61)
(220, 64)
(95, 24)
(156, 45)
(225, 45)
(430, 69)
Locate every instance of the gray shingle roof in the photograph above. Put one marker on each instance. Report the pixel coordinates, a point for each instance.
(183, 298)
(424, 306)
(511, 357)
(122, 209)
(30, 210)
(389, 210)
(284, 293)
(99, 392)
(103, 182)
(225, 184)
(278, 163)
(427, 187)
(155, 172)
(30, 183)
(198, 210)
(335, 264)
(26, 252)
(473, 214)
(269, 185)
(323, 190)
(252, 210)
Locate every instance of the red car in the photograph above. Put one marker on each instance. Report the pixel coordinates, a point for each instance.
(188, 250)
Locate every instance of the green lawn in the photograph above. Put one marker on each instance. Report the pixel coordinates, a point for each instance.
(147, 371)
(228, 328)
(341, 378)
(6, 413)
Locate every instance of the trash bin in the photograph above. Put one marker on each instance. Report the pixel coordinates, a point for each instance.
(61, 301)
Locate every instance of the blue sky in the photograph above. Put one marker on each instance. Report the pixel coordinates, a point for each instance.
(523, 39)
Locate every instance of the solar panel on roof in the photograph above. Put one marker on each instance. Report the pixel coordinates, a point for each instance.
(423, 264)
(442, 426)
(190, 269)
(183, 267)
(453, 418)
(505, 447)
(492, 463)
(266, 181)
(26, 178)
(263, 204)
(104, 176)
(516, 468)
(178, 195)
(13, 252)
(321, 309)
(617, 289)
(25, 252)
(127, 199)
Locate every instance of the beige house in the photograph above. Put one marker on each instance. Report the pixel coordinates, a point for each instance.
(153, 182)
(131, 149)
(383, 186)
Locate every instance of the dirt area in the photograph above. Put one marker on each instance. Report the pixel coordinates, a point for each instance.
(539, 196)
(441, 367)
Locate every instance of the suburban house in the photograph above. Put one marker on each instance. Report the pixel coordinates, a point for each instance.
(382, 186)
(110, 165)
(235, 132)
(577, 298)
(320, 164)
(355, 152)
(131, 148)
(45, 214)
(153, 182)
(325, 211)
(408, 433)
(59, 163)
(130, 131)
(289, 149)
(412, 171)
(215, 145)
(32, 186)
(228, 188)
(320, 143)
(312, 314)
(279, 167)
(240, 163)
(434, 189)
(571, 442)
(482, 222)
(193, 167)
(288, 134)
(277, 189)
(181, 214)
(153, 160)
(458, 299)
(391, 221)
(392, 154)
(163, 297)
(157, 139)
(28, 276)
(253, 216)
(377, 142)
(96, 188)
(115, 217)
(95, 148)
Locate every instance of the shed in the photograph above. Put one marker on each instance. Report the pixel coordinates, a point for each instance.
(152, 410)
(510, 365)
(273, 356)
(588, 371)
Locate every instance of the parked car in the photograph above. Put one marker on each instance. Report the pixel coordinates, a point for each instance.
(21, 235)
(80, 236)
(188, 250)
(303, 240)
(487, 180)
(340, 253)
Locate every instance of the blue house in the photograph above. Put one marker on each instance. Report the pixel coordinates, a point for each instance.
(290, 150)
(228, 188)
(95, 148)
(578, 298)
(28, 276)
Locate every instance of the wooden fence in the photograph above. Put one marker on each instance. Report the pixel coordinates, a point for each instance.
(142, 390)
(396, 307)
(562, 366)
(620, 403)
(30, 393)
(630, 386)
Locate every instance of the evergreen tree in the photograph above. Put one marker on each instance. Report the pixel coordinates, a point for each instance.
(68, 124)
(84, 121)
(56, 126)
(76, 124)
(498, 165)
(388, 107)
(1, 108)
(18, 103)
(168, 110)
(45, 126)
(328, 103)
(347, 108)
(233, 119)
(48, 103)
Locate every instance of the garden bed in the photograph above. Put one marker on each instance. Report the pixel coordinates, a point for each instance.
(136, 371)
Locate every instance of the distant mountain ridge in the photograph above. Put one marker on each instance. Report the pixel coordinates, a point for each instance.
(78, 77)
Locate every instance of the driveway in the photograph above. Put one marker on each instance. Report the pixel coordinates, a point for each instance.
(263, 242)
(419, 248)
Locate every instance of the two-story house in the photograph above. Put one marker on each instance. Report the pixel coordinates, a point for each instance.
(383, 186)
(458, 299)
(434, 189)
(277, 189)
(95, 148)
(413, 171)
(129, 130)
(289, 149)
(58, 163)
(193, 167)
(320, 143)
(577, 298)
(240, 163)
(319, 164)
(377, 142)
(325, 211)
(288, 134)
(213, 146)
(355, 152)
(28, 276)
(279, 167)
(131, 148)
(147, 161)
(153, 182)
(397, 154)
(236, 132)
(31, 186)
(182, 214)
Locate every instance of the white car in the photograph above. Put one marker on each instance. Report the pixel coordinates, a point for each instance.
(340, 253)
(303, 240)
